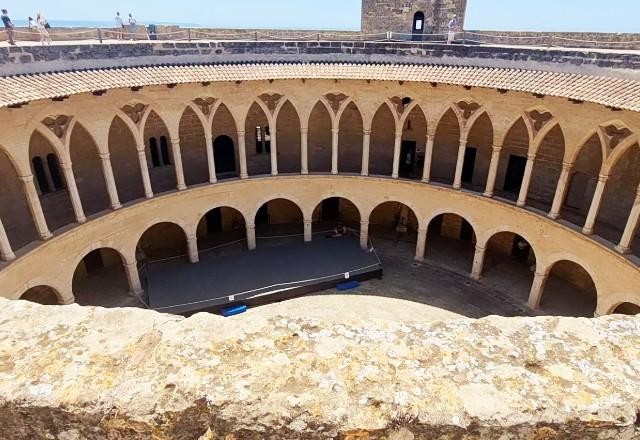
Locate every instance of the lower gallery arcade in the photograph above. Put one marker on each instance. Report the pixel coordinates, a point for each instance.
(537, 197)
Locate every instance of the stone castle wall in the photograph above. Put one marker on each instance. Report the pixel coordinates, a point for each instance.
(380, 16)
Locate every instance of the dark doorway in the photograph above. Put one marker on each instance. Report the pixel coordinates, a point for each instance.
(435, 227)
(224, 155)
(515, 173)
(93, 261)
(214, 220)
(466, 231)
(407, 159)
(418, 26)
(469, 164)
(331, 209)
(262, 216)
(521, 249)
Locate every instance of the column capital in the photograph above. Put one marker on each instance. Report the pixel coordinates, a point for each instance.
(423, 230)
(603, 178)
(398, 135)
(307, 221)
(364, 223)
(251, 226)
(531, 157)
(105, 156)
(480, 248)
(140, 148)
(27, 178)
(566, 166)
(463, 142)
(366, 132)
(175, 141)
(240, 132)
(496, 148)
(431, 133)
(304, 130)
(335, 130)
(65, 165)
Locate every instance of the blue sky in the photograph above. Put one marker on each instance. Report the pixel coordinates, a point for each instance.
(559, 15)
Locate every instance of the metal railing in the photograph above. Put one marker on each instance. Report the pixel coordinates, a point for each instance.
(109, 35)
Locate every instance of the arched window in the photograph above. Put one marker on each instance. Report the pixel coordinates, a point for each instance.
(263, 140)
(54, 171)
(155, 154)
(418, 22)
(164, 148)
(41, 177)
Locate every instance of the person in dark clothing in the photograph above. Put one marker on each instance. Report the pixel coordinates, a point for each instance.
(8, 26)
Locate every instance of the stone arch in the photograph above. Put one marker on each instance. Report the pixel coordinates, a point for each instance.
(320, 137)
(279, 217)
(570, 289)
(445, 147)
(550, 153)
(164, 239)
(350, 138)
(513, 158)
(193, 147)
(87, 170)
(124, 160)
(43, 294)
(414, 139)
(626, 308)
(288, 136)
(334, 210)
(258, 139)
(100, 279)
(55, 200)
(587, 163)
(159, 153)
(221, 226)
(394, 221)
(223, 123)
(382, 141)
(480, 140)
(451, 240)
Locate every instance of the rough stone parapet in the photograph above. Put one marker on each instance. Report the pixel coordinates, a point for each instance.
(72, 372)
(37, 59)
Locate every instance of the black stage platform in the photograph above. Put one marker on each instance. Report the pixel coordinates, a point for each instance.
(282, 271)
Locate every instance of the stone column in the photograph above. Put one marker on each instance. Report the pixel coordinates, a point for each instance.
(421, 244)
(192, 245)
(308, 231)
(107, 170)
(73, 191)
(133, 277)
(144, 171)
(242, 153)
(364, 235)
(561, 191)
(526, 180)
(211, 163)
(335, 136)
(366, 142)
(6, 253)
(632, 225)
(539, 281)
(457, 180)
(594, 209)
(478, 262)
(493, 170)
(304, 150)
(35, 207)
(428, 157)
(274, 153)
(251, 236)
(396, 154)
(177, 161)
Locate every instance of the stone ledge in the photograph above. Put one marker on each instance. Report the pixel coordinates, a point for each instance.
(70, 372)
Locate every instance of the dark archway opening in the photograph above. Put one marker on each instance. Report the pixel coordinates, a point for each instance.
(279, 221)
(335, 211)
(451, 242)
(162, 241)
(221, 231)
(569, 291)
(224, 154)
(627, 309)
(44, 295)
(418, 26)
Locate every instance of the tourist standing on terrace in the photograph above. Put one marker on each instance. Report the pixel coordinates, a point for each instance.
(132, 27)
(42, 24)
(119, 26)
(453, 28)
(8, 26)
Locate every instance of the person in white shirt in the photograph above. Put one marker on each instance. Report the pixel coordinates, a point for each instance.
(132, 27)
(41, 23)
(119, 26)
(453, 28)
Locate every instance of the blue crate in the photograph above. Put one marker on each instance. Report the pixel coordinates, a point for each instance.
(234, 310)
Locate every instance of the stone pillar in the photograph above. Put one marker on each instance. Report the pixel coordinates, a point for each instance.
(539, 281)
(304, 150)
(478, 262)
(144, 171)
(133, 277)
(308, 231)
(335, 136)
(526, 180)
(107, 170)
(632, 225)
(192, 245)
(493, 170)
(73, 191)
(428, 157)
(396, 154)
(251, 236)
(457, 180)
(6, 253)
(242, 153)
(561, 191)
(366, 142)
(35, 207)
(421, 244)
(364, 235)
(594, 209)
(211, 163)
(274, 153)
(177, 161)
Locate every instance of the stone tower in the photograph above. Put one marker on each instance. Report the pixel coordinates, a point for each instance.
(410, 16)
